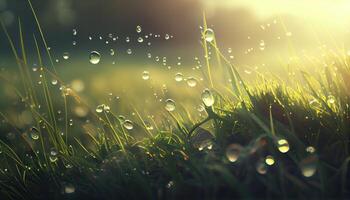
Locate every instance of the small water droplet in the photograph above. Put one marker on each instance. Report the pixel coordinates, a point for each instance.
(191, 81)
(69, 188)
(331, 99)
(308, 165)
(138, 29)
(66, 55)
(34, 133)
(209, 35)
(269, 160)
(140, 39)
(128, 124)
(145, 75)
(170, 105)
(233, 152)
(178, 77)
(94, 57)
(129, 51)
(75, 32)
(167, 37)
(283, 145)
(54, 82)
(207, 98)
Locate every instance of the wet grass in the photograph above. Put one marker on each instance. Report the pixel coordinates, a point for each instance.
(265, 140)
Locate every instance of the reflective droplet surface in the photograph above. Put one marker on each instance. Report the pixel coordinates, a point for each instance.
(269, 160)
(140, 39)
(170, 105)
(34, 133)
(191, 81)
(331, 99)
(129, 51)
(261, 167)
(233, 152)
(53, 155)
(94, 57)
(102, 107)
(178, 77)
(69, 188)
(145, 75)
(209, 35)
(138, 29)
(128, 124)
(54, 82)
(283, 145)
(66, 55)
(308, 165)
(207, 98)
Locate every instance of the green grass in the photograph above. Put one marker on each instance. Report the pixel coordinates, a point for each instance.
(234, 151)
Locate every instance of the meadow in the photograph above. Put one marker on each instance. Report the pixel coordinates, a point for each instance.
(202, 133)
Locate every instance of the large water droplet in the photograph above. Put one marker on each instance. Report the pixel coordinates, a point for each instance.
(128, 124)
(34, 133)
(209, 35)
(138, 29)
(69, 188)
(308, 165)
(283, 145)
(94, 57)
(179, 77)
(145, 75)
(269, 160)
(331, 99)
(191, 81)
(208, 98)
(170, 105)
(66, 55)
(233, 152)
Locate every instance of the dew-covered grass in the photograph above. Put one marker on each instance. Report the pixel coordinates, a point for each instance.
(208, 134)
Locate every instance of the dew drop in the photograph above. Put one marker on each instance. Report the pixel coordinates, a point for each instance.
(308, 165)
(140, 39)
(94, 57)
(54, 82)
(138, 29)
(129, 51)
(145, 75)
(75, 32)
(283, 145)
(170, 105)
(233, 152)
(207, 98)
(69, 188)
(34, 133)
(269, 160)
(128, 124)
(191, 81)
(178, 77)
(209, 35)
(66, 55)
(331, 99)
(167, 37)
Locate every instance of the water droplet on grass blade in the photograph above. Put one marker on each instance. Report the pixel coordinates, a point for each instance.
(209, 35)
(191, 81)
(331, 99)
(66, 55)
(69, 188)
(233, 152)
(128, 124)
(283, 145)
(178, 77)
(208, 98)
(170, 105)
(34, 133)
(54, 82)
(145, 75)
(269, 160)
(94, 57)
(308, 165)
(138, 29)
(129, 51)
